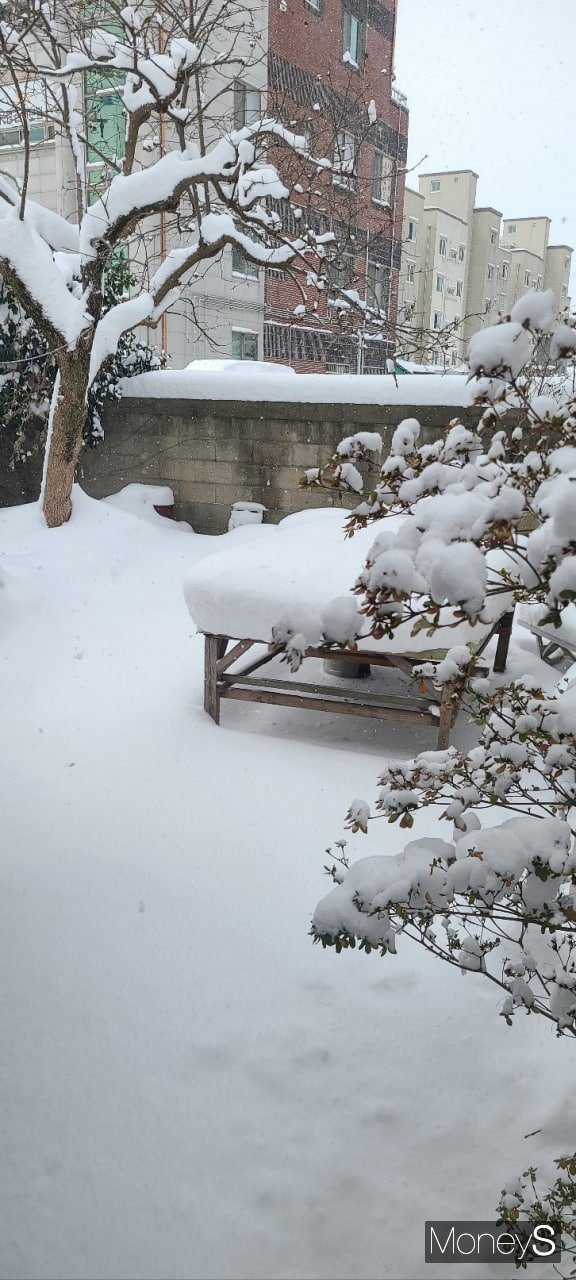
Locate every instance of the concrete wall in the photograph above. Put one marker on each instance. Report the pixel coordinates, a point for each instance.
(215, 453)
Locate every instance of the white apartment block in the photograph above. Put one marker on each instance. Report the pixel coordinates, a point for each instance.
(464, 266)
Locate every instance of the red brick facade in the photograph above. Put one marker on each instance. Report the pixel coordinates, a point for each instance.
(314, 86)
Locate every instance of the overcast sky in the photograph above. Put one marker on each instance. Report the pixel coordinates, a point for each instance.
(490, 87)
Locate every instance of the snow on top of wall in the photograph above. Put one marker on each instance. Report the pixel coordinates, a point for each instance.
(305, 388)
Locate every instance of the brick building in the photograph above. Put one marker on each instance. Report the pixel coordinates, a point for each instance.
(330, 72)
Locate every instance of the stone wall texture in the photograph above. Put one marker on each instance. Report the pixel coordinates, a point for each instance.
(215, 453)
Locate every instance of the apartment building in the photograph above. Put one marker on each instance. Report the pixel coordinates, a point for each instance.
(230, 308)
(464, 265)
(331, 72)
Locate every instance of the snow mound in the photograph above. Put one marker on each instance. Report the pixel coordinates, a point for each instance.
(142, 500)
(305, 566)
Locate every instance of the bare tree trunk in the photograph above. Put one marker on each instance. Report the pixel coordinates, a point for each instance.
(65, 437)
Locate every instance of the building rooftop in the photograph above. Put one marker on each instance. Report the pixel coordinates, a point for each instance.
(439, 208)
(447, 173)
(537, 217)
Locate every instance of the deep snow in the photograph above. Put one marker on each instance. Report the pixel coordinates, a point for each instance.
(190, 1088)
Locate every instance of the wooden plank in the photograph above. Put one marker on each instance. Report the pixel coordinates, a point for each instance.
(324, 704)
(393, 701)
(230, 657)
(259, 662)
(212, 650)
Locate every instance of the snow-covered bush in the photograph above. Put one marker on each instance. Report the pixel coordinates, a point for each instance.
(527, 1200)
(490, 519)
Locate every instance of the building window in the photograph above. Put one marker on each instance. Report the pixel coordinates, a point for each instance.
(36, 104)
(490, 270)
(382, 178)
(316, 5)
(442, 246)
(566, 263)
(503, 302)
(412, 230)
(377, 286)
(410, 270)
(439, 284)
(526, 278)
(340, 271)
(244, 344)
(512, 229)
(242, 267)
(36, 132)
(438, 319)
(458, 288)
(344, 159)
(435, 184)
(247, 105)
(564, 290)
(352, 38)
(493, 235)
(461, 252)
(505, 270)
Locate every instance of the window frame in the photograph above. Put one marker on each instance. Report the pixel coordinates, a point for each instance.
(442, 252)
(340, 178)
(382, 179)
(350, 22)
(377, 281)
(243, 334)
(241, 110)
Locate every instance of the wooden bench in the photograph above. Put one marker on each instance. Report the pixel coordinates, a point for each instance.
(422, 704)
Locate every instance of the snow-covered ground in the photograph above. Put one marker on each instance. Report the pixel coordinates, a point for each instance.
(190, 1088)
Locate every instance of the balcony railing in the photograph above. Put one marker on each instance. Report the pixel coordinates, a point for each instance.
(399, 98)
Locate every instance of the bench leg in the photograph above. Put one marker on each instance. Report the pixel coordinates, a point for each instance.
(214, 648)
(504, 633)
(447, 716)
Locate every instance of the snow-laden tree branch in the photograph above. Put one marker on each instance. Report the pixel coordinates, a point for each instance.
(164, 65)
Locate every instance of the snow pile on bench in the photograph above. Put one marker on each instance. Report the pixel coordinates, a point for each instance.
(302, 569)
